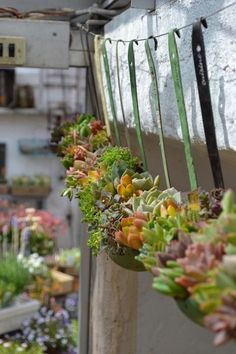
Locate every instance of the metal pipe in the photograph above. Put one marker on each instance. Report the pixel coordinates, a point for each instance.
(109, 3)
(95, 11)
(96, 22)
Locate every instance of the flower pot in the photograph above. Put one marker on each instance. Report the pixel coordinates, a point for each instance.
(191, 309)
(126, 259)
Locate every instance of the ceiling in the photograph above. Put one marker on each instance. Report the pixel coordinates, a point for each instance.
(26, 5)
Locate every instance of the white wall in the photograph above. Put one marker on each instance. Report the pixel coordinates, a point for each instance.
(221, 53)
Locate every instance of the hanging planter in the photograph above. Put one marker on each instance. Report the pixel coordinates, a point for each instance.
(126, 259)
(191, 309)
(182, 238)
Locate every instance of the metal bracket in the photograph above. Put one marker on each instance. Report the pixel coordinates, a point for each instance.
(146, 5)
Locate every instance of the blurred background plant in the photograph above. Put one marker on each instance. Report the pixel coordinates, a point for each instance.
(14, 277)
(13, 347)
(69, 258)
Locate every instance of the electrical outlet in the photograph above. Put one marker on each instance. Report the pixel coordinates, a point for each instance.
(12, 51)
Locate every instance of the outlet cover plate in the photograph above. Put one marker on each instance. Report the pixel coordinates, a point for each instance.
(19, 43)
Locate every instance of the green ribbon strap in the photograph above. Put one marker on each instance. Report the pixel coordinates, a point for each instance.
(127, 138)
(176, 75)
(157, 106)
(133, 83)
(110, 93)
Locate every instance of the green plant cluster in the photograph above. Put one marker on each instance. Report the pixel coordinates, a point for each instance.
(14, 277)
(41, 243)
(117, 154)
(69, 258)
(14, 347)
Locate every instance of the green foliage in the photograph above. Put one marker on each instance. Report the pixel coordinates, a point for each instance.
(115, 154)
(41, 243)
(67, 161)
(99, 140)
(75, 331)
(13, 279)
(94, 241)
(14, 347)
(87, 203)
(70, 257)
(166, 284)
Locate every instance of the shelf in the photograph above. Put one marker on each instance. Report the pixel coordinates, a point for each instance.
(20, 111)
(11, 318)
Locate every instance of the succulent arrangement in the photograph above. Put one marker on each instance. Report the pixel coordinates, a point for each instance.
(187, 240)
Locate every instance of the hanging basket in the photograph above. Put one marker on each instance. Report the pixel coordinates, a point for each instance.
(126, 259)
(191, 309)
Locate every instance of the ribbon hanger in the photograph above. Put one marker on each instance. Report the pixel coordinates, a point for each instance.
(134, 93)
(127, 137)
(110, 93)
(200, 64)
(178, 86)
(157, 106)
(98, 67)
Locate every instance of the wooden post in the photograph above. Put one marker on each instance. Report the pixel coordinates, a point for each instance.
(114, 309)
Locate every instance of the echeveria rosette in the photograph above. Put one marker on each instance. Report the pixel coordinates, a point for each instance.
(166, 234)
(199, 261)
(210, 203)
(223, 321)
(131, 231)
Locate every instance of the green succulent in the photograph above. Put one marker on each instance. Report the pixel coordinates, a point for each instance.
(94, 241)
(115, 154)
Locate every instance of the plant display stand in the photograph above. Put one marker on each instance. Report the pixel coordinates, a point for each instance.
(32, 191)
(11, 318)
(62, 283)
(3, 188)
